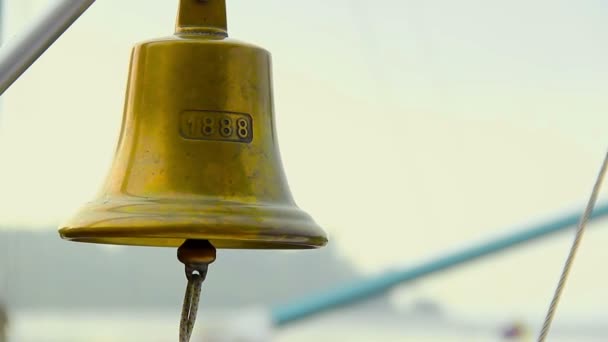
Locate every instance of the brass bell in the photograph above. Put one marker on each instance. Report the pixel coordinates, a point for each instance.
(197, 157)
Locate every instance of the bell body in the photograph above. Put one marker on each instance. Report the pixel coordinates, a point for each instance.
(197, 156)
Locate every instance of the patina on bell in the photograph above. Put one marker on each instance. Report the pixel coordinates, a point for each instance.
(197, 157)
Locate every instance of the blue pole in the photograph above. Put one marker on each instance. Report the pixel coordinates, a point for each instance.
(377, 285)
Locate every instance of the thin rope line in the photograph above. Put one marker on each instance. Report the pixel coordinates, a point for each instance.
(573, 250)
(191, 301)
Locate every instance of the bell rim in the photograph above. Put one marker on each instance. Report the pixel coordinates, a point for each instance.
(227, 226)
(74, 235)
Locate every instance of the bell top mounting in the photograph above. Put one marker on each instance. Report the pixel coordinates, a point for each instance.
(202, 17)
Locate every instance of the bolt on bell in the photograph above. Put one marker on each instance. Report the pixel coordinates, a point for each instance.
(198, 156)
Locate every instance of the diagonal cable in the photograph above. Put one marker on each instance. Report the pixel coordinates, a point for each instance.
(571, 256)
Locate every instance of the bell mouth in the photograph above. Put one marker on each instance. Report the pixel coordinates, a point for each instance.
(165, 223)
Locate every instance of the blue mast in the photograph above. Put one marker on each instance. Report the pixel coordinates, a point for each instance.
(377, 285)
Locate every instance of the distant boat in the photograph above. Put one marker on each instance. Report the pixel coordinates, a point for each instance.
(516, 332)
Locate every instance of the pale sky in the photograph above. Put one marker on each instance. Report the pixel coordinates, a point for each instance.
(406, 127)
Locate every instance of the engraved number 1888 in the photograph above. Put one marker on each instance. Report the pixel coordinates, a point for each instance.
(216, 126)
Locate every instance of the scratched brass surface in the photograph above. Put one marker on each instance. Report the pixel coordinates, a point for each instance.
(198, 156)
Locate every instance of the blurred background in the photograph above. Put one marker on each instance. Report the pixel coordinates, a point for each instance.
(407, 129)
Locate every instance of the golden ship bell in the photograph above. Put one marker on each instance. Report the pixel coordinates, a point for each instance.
(197, 157)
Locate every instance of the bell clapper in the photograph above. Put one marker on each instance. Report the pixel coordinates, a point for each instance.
(196, 255)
